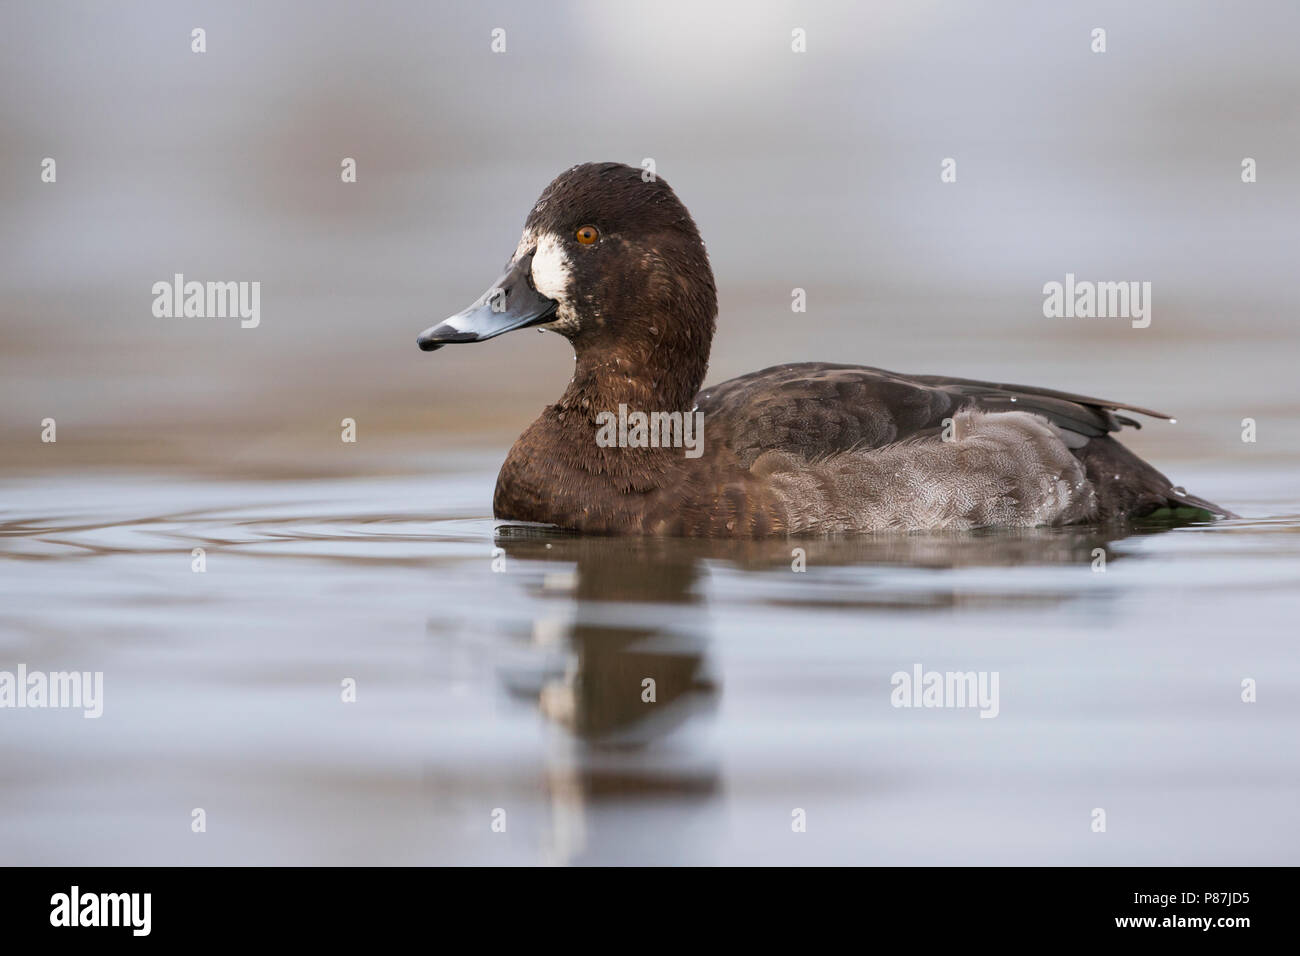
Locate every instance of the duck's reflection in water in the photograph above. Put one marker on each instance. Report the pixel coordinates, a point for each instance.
(629, 652)
(629, 681)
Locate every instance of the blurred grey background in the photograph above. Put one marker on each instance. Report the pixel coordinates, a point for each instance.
(818, 170)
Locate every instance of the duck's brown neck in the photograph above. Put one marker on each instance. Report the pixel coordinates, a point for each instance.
(559, 472)
(650, 372)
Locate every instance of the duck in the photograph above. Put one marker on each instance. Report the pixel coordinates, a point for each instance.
(611, 259)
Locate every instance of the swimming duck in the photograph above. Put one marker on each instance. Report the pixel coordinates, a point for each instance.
(611, 260)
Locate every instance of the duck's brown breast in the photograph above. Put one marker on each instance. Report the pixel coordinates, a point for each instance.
(557, 474)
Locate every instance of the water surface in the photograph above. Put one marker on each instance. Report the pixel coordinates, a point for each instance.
(520, 689)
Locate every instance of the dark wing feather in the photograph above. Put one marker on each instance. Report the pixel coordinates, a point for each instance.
(815, 409)
(1080, 413)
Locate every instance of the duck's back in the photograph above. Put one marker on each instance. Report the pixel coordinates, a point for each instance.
(814, 412)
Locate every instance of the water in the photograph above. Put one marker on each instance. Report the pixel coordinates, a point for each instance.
(521, 689)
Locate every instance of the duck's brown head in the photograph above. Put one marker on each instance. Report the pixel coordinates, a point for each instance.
(610, 259)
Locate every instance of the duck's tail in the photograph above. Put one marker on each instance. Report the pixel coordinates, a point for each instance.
(1128, 487)
(1179, 500)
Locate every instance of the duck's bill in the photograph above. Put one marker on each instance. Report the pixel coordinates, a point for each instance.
(511, 303)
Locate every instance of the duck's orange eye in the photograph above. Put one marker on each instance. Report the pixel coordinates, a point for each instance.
(587, 235)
